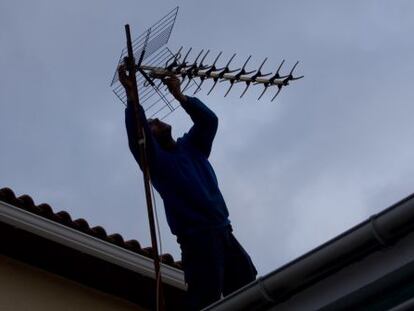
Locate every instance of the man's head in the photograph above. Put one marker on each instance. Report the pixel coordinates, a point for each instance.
(162, 132)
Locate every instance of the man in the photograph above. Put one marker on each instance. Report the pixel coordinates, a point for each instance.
(214, 263)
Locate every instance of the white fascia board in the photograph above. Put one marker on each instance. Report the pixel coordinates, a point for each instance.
(88, 244)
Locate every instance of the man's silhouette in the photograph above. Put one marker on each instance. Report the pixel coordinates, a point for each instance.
(214, 263)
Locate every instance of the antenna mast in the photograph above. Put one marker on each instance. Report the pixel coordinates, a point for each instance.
(130, 64)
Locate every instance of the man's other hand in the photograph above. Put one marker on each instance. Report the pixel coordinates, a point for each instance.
(174, 86)
(126, 81)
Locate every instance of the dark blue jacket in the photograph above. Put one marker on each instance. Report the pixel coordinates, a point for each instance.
(184, 177)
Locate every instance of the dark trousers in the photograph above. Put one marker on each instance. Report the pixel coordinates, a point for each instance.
(215, 264)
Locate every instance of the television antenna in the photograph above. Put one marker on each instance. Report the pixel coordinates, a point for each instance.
(154, 60)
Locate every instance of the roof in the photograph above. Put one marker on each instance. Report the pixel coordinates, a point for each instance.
(26, 203)
(365, 263)
(37, 235)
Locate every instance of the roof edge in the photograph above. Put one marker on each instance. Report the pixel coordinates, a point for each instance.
(88, 244)
(379, 231)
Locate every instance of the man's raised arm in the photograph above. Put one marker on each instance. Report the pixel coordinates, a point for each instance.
(130, 119)
(203, 131)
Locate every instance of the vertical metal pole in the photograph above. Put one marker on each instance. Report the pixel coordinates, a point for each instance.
(130, 64)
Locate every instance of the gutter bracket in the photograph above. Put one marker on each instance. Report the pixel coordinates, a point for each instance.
(376, 233)
(268, 297)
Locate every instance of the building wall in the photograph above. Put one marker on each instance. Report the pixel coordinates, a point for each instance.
(23, 287)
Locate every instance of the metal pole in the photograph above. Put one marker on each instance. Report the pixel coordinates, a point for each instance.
(130, 64)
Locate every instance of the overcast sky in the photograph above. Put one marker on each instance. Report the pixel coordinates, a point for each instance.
(335, 148)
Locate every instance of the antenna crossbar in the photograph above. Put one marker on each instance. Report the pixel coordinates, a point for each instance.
(160, 72)
(204, 72)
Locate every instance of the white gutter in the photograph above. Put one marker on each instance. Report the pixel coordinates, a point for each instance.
(88, 244)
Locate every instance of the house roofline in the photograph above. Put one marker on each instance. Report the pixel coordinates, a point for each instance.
(88, 244)
(377, 232)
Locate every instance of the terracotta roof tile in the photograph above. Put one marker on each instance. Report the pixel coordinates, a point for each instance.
(147, 251)
(45, 210)
(82, 225)
(99, 232)
(62, 217)
(167, 259)
(117, 239)
(133, 245)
